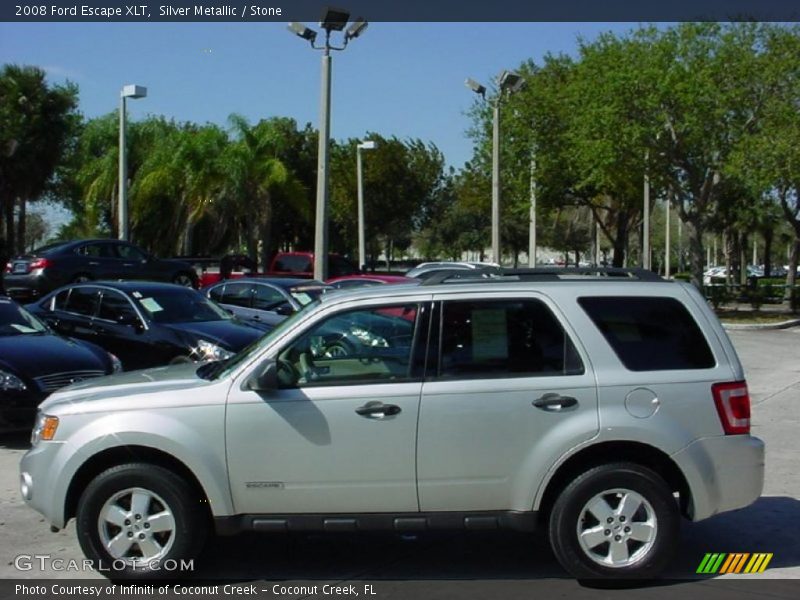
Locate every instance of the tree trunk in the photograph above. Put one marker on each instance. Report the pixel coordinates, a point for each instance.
(791, 276)
(265, 224)
(768, 235)
(21, 226)
(10, 234)
(696, 253)
(620, 240)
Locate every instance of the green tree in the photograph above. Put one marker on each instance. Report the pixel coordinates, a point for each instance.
(37, 121)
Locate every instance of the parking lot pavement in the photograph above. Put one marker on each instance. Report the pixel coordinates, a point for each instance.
(493, 564)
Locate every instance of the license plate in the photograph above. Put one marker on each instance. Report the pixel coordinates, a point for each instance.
(20, 268)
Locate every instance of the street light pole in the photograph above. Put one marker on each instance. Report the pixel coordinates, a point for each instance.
(496, 182)
(507, 82)
(321, 223)
(532, 227)
(362, 250)
(666, 242)
(646, 215)
(333, 19)
(123, 223)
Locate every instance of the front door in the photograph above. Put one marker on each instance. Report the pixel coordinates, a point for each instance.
(339, 435)
(507, 394)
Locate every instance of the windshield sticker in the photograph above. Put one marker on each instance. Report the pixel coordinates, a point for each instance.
(151, 305)
(302, 298)
(23, 328)
(489, 334)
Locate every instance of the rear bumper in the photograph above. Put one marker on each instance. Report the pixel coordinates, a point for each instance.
(29, 286)
(724, 473)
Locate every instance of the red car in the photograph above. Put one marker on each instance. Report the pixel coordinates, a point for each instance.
(346, 282)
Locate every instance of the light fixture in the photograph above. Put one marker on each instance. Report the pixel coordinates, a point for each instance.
(476, 87)
(510, 82)
(356, 28)
(302, 31)
(334, 19)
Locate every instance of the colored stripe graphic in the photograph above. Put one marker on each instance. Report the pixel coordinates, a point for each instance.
(734, 563)
(710, 563)
(758, 563)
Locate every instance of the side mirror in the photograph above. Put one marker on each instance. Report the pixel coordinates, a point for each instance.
(264, 378)
(285, 310)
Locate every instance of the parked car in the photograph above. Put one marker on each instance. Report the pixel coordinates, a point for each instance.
(265, 302)
(597, 408)
(424, 269)
(347, 282)
(145, 324)
(49, 267)
(35, 361)
(301, 264)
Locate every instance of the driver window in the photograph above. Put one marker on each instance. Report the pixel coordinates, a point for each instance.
(370, 345)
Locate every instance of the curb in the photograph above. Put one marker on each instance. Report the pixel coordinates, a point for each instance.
(759, 326)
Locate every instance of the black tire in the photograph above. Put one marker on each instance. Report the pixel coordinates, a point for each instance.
(81, 278)
(166, 492)
(646, 559)
(185, 279)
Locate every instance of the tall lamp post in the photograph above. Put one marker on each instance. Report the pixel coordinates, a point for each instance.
(123, 225)
(333, 19)
(507, 83)
(362, 244)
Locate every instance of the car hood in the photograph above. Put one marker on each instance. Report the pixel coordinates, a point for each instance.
(36, 355)
(231, 335)
(124, 385)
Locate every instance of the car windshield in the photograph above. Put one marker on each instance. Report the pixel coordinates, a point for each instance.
(178, 305)
(306, 294)
(220, 369)
(15, 320)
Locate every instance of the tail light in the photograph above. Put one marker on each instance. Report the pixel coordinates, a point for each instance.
(733, 405)
(39, 263)
(8, 267)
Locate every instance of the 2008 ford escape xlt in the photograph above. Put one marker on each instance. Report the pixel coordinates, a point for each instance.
(597, 406)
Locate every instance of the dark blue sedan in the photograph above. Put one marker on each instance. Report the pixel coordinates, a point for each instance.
(145, 324)
(35, 361)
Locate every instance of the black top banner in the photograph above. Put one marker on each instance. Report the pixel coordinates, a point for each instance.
(400, 10)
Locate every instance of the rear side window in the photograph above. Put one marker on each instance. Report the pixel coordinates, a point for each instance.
(83, 301)
(650, 334)
(509, 338)
(294, 263)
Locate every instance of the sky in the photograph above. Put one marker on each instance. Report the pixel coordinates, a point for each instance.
(401, 79)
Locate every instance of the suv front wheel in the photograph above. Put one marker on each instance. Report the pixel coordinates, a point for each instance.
(615, 521)
(140, 521)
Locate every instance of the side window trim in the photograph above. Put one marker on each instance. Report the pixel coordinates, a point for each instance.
(96, 302)
(113, 292)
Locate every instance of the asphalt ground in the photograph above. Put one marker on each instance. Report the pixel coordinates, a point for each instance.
(478, 565)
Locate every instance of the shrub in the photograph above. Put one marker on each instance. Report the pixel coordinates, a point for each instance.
(718, 295)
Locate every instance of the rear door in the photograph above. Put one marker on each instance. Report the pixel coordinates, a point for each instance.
(95, 259)
(73, 311)
(508, 392)
(120, 329)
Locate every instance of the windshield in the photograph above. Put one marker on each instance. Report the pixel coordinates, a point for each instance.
(15, 320)
(306, 294)
(178, 305)
(220, 369)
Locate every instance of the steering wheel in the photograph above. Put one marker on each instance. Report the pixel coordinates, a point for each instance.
(306, 368)
(288, 375)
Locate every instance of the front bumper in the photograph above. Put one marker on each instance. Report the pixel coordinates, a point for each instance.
(724, 473)
(38, 485)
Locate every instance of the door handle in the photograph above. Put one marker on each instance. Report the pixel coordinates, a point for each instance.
(93, 264)
(377, 410)
(555, 402)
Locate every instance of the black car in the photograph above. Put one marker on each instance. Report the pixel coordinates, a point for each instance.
(54, 265)
(145, 324)
(35, 361)
(265, 301)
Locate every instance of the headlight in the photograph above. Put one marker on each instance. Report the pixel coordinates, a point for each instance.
(44, 429)
(116, 364)
(206, 350)
(10, 382)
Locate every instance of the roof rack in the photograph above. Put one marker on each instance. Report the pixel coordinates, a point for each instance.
(542, 274)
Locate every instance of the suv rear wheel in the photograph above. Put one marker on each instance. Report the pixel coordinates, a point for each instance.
(615, 521)
(132, 518)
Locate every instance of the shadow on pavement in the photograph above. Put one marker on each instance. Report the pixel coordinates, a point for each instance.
(17, 438)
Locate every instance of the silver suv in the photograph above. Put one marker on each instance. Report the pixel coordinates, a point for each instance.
(597, 408)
